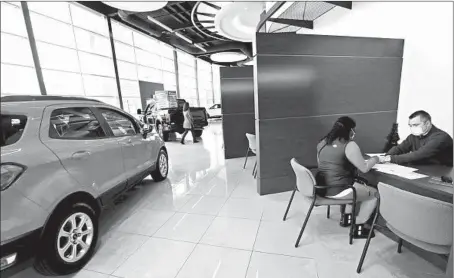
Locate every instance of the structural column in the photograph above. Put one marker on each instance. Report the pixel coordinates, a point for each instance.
(237, 98)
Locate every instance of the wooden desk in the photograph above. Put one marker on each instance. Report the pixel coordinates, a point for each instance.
(419, 186)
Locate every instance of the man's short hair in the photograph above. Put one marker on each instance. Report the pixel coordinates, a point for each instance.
(424, 115)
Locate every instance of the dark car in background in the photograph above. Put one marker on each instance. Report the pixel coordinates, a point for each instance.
(170, 120)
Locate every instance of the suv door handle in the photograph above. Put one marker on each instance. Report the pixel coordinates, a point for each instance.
(80, 155)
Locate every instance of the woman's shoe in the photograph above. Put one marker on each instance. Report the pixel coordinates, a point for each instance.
(362, 232)
(182, 143)
(195, 141)
(345, 220)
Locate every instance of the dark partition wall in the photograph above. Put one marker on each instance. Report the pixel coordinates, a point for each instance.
(237, 98)
(305, 82)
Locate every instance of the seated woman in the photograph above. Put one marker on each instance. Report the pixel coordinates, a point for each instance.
(339, 158)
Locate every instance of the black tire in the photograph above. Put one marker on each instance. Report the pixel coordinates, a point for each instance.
(156, 174)
(165, 136)
(48, 260)
(198, 133)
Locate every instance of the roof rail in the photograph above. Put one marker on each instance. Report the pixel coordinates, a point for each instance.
(42, 98)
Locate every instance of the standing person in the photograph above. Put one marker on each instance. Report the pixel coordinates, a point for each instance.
(426, 144)
(188, 123)
(339, 158)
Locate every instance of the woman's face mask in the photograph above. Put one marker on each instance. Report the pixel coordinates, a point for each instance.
(352, 134)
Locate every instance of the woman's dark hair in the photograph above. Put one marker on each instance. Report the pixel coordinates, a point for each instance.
(341, 130)
(186, 106)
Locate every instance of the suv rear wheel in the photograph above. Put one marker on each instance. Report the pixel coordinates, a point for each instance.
(162, 167)
(69, 240)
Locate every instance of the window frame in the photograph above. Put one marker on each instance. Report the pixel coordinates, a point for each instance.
(101, 123)
(137, 127)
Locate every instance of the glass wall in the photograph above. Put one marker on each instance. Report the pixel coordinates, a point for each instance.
(216, 83)
(187, 78)
(205, 83)
(76, 59)
(74, 51)
(18, 75)
(141, 58)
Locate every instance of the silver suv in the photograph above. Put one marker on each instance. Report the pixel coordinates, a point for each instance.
(62, 160)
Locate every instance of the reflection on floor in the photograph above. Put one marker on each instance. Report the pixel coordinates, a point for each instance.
(206, 220)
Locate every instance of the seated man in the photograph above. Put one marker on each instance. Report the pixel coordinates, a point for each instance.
(426, 145)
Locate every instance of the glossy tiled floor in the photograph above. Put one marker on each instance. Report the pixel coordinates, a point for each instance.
(207, 221)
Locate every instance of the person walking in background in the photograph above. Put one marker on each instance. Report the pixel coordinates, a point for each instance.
(188, 123)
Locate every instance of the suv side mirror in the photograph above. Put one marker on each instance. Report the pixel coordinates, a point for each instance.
(145, 130)
(139, 111)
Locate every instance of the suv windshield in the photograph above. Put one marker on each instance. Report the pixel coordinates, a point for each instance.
(12, 129)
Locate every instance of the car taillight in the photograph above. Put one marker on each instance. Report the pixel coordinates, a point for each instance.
(9, 173)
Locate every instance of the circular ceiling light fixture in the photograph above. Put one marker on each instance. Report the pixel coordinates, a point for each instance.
(227, 57)
(137, 6)
(238, 21)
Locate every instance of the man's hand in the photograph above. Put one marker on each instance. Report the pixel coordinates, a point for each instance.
(384, 159)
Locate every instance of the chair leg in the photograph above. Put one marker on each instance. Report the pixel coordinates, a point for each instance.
(353, 226)
(255, 168)
(305, 223)
(288, 206)
(327, 212)
(255, 175)
(399, 247)
(366, 246)
(245, 161)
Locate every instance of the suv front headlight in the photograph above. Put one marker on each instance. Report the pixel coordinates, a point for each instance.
(9, 174)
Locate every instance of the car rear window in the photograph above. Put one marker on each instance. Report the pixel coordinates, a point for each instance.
(12, 129)
(74, 123)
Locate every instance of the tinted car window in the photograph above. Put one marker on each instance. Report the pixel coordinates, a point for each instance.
(74, 123)
(11, 129)
(119, 123)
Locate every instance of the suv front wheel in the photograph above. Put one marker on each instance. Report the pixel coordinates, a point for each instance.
(69, 240)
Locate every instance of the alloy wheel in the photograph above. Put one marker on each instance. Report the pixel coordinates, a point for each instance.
(163, 165)
(75, 237)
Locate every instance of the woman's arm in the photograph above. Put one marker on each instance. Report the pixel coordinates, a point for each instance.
(355, 156)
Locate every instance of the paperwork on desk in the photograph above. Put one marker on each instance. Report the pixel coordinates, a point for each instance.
(398, 170)
(375, 154)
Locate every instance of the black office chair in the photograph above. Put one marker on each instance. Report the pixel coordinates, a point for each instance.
(307, 186)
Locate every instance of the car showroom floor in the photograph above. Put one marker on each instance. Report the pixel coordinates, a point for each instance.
(206, 220)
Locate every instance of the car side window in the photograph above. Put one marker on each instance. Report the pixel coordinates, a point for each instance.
(120, 124)
(74, 123)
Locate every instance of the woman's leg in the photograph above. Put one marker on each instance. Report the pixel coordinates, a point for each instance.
(365, 198)
(193, 136)
(367, 202)
(184, 135)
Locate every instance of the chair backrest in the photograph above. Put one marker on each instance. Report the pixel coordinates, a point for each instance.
(422, 218)
(252, 141)
(305, 181)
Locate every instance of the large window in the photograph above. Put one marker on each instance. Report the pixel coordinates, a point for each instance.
(74, 51)
(205, 83)
(76, 59)
(141, 58)
(187, 77)
(18, 75)
(216, 84)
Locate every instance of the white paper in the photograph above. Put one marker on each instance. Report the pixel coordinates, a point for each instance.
(393, 168)
(411, 175)
(375, 154)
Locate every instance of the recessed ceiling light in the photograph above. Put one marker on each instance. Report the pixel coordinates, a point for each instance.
(137, 6)
(238, 21)
(227, 57)
(250, 63)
